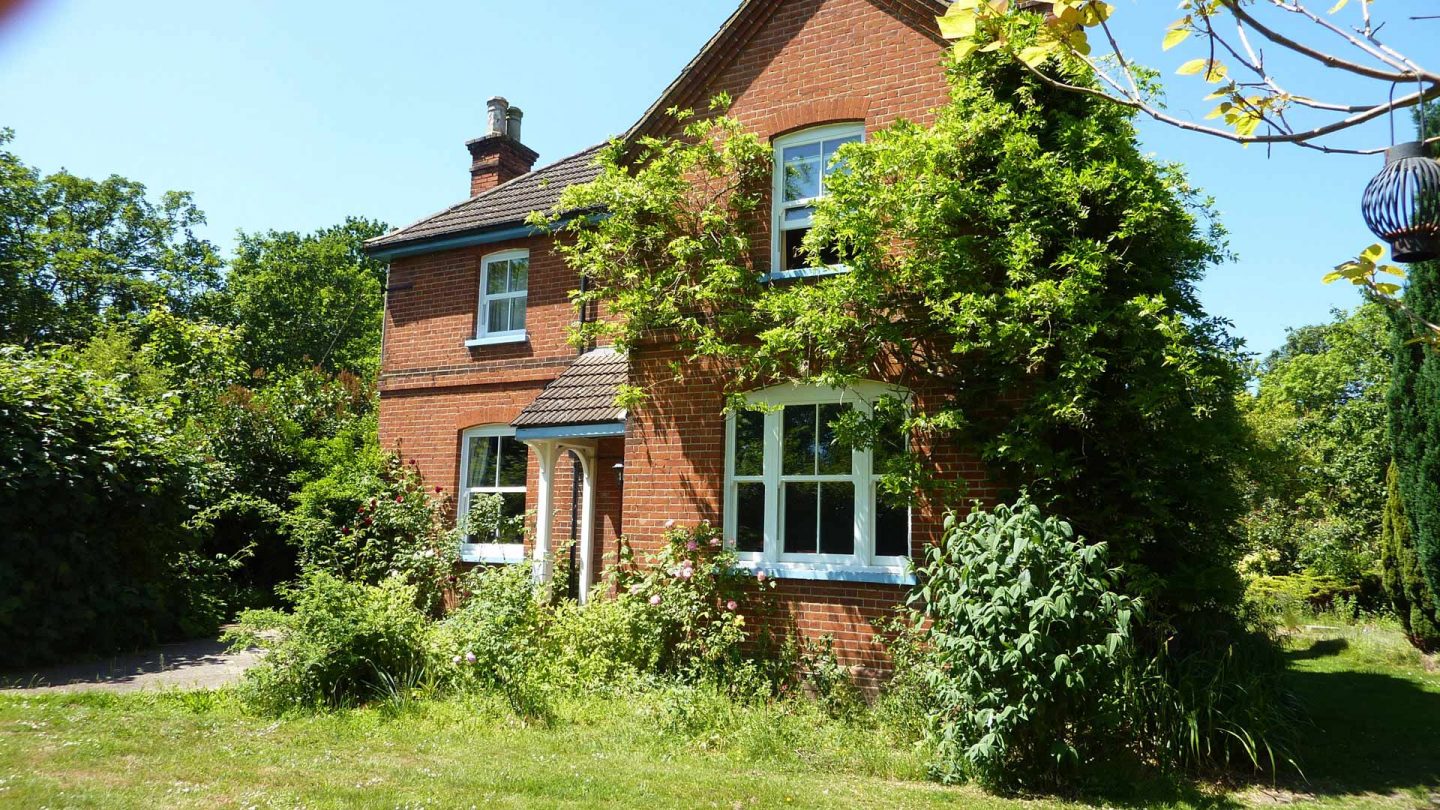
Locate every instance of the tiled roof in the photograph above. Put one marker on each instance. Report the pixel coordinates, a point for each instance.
(583, 394)
(506, 204)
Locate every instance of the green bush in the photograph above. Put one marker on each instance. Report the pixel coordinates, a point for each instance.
(495, 638)
(344, 644)
(370, 518)
(1291, 597)
(698, 602)
(608, 644)
(1403, 580)
(95, 492)
(1030, 644)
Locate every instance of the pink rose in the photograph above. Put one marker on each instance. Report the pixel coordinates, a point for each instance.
(469, 657)
(655, 600)
(455, 660)
(692, 546)
(687, 572)
(730, 606)
(670, 524)
(760, 576)
(714, 542)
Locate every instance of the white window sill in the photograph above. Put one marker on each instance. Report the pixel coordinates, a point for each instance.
(495, 553)
(805, 272)
(874, 575)
(496, 340)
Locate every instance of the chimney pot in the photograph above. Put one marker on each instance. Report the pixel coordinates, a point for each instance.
(512, 123)
(497, 108)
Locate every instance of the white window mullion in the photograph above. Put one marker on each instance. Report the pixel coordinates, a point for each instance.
(773, 428)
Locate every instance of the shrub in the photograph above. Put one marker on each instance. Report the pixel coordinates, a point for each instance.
(1290, 597)
(371, 518)
(698, 603)
(495, 638)
(1030, 644)
(1403, 580)
(605, 645)
(95, 491)
(345, 643)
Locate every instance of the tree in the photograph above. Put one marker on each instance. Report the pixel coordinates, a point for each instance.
(1020, 265)
(1415, 416)
(76, 253)
(1404, 583)
(1053, 42)
(1316, 485)
(312, 299)
(1255, 103)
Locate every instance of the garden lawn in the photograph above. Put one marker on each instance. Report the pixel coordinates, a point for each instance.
(1375, 741)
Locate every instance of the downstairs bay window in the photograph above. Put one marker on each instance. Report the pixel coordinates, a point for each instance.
(492, 462)
(801, 503)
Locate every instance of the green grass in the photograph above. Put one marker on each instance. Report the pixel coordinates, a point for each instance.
(1375, 741)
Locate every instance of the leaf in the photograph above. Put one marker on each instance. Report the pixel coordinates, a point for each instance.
(1373, 253)
(1192, 67)
(958, 26)
(965, 47)
(1175, 37)
(1339, 5)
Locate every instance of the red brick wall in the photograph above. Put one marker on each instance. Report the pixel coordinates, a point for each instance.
(812, 62)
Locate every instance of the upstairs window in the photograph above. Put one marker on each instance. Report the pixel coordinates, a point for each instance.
(504, 287)
(803, 161)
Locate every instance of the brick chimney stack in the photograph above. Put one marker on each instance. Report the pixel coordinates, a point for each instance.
(499, 157)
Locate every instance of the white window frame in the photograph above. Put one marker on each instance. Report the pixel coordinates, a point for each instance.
(863, 564)
(778, 225)
(483, 334)
(488, 552)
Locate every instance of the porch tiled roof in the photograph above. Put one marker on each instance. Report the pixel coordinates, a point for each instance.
(506, 204)
(583, 394)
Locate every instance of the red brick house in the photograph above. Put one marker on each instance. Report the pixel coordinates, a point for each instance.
(479, 386)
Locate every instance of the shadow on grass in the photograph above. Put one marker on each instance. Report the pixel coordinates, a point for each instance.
(1371, 732)
(1322, 648)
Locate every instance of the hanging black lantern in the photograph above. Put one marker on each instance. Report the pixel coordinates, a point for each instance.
(1402, 204)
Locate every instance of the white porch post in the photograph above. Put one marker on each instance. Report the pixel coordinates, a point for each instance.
(547, 452)
(587, 521)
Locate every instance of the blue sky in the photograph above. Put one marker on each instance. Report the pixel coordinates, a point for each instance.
(293, 115)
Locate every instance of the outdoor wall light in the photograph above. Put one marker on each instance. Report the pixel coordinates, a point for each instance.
(619, 473)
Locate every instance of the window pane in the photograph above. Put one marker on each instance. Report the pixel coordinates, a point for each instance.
(798, 446)
(517, 314)
(837, 518)
(800, 214)
(802, 171)
(514, 458)
(892, 528)
(792, 255)
(828, 160)
(799, 526)
(499, 320)
(519, 274)
(750, 517)
(481, 472)
(832, 456)
(514, 508)
(749, 443)
(495, 276)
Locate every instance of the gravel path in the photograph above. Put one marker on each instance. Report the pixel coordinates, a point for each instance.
(202, 664)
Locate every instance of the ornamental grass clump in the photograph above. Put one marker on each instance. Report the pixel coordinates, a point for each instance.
(1029, 645)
